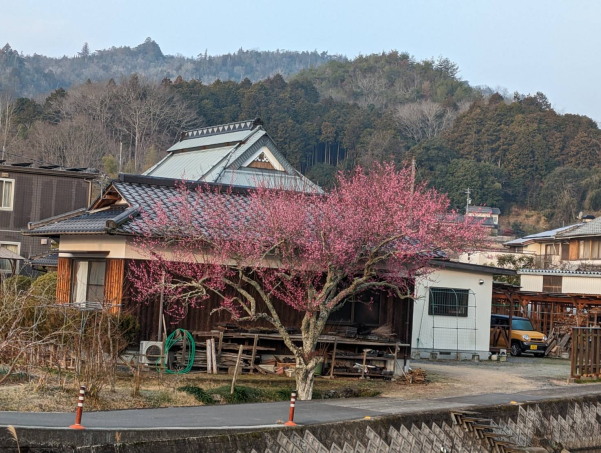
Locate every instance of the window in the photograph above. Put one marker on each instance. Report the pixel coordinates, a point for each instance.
(589, 249)
(552, 283)
(363, 309)
(448, 302)
(6, 194)
(88, 281)
(565, 251)
(6, 266)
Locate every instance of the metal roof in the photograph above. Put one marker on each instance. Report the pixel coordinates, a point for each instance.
(549, 234)
(189, 165)
(6, 254)
(210, 141)
(561, 272)
(254, 177)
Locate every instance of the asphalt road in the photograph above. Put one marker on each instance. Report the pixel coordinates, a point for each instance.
(272, 414)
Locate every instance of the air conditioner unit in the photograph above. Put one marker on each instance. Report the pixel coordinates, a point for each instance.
(151, 352)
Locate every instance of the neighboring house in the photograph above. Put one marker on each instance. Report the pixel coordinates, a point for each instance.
(29, 193)
(488, 216)
(564, 285)
(451, 314)
(549, 248)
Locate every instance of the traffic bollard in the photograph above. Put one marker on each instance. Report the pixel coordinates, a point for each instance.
(79, 411)
(290, 421)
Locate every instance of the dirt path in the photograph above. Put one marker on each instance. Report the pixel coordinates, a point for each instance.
(452, 378)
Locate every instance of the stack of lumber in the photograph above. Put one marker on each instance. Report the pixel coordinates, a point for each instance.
(225, 360)
(560, 340)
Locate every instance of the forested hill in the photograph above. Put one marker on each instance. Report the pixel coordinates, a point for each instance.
(29, 76)
(510, 152)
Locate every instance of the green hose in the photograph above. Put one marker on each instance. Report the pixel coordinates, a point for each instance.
(172, 340)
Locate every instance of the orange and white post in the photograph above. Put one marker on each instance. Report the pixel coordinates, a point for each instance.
(290, 421)
(79, 411)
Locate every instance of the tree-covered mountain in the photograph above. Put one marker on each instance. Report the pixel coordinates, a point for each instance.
(32, 75)
(510, 152)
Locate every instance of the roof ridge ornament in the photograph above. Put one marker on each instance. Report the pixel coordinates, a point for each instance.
(246, 125)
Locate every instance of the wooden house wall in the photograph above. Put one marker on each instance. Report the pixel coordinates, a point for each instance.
(63, 283)
(394, 312)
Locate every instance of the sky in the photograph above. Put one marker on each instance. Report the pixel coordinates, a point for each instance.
(527, 46)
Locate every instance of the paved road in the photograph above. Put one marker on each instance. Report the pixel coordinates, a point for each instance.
(271, 414)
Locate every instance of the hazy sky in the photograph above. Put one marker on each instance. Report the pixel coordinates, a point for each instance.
(519, 45)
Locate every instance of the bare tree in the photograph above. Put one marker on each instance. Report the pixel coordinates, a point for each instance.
(6, 114)
(424, 119)
(148, 114)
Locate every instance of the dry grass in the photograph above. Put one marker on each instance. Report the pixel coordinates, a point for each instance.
(160, 390)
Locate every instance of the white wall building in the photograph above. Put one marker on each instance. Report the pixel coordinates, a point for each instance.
(451, 315)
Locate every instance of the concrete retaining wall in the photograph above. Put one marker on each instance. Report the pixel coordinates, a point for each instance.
(552, 425)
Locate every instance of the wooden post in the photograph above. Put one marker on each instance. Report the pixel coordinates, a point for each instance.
(236, 369)
(396, 354)
(209, 358)
(254, 353)
(213, 356)
(364, 363)
(333, 357)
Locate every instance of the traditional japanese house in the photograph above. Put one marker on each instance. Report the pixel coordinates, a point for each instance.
(98, 247)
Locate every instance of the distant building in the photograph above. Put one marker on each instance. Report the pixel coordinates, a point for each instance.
(489, 216)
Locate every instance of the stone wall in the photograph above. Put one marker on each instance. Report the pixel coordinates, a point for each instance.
(542, 426)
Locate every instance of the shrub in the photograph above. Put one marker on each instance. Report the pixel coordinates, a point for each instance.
(45, 286)
(201, 395)
(17, 284)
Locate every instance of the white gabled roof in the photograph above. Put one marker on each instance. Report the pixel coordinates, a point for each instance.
(225, 154)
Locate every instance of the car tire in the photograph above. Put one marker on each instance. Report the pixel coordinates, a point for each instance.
(516, 350)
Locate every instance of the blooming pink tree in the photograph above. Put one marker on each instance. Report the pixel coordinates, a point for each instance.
(265, 250)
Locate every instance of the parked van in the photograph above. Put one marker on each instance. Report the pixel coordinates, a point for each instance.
(523, 336)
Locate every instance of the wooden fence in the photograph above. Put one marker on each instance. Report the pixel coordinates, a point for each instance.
(586, 352)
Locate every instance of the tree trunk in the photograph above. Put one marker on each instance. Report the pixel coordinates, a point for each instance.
(305, 378)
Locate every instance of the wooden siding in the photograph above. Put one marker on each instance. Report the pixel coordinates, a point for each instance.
(393, 312)
(574, 249)
(113, 283)
(63, 284)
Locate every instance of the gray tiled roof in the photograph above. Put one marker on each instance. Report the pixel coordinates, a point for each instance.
(140, 198)
(592, 228)
(88, 223)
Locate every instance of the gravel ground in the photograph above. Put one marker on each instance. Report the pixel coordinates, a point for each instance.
(456, 378)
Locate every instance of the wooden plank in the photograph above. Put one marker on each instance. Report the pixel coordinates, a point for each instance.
(333, 359)
(63, 283)
(213, 356)
(254, 352)
(209, 359)
(113, 283)
(236, 370)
